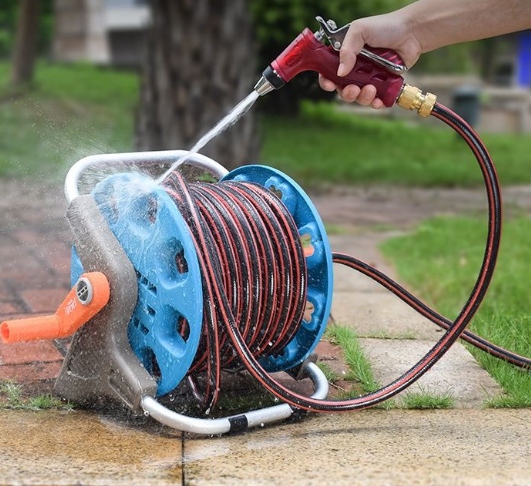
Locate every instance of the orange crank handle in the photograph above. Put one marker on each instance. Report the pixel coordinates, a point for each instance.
(90, 294)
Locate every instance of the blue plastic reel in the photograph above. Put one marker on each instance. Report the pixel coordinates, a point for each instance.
(156, 239)
(319, 264)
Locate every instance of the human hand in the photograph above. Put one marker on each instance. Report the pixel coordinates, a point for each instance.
(393, 31)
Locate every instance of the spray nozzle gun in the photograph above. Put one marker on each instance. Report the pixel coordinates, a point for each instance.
(310, 52)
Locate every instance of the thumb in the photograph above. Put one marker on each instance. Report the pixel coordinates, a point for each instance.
(352, 45)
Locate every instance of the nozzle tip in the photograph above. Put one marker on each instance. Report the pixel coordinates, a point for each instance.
(263, 86)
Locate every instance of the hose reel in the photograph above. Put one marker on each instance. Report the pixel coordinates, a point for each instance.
(166, 325)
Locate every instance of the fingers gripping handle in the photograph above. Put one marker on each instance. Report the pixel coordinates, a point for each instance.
(306, 53)
(90, 294)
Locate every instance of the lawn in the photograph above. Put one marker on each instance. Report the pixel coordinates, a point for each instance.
(441, 260)
(323, 145)
(69, 113)
(74, 111)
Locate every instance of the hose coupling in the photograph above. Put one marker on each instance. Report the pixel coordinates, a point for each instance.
(412, 98)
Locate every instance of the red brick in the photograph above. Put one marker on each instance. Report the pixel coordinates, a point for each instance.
(44, 300)
(29, 238)
(30, 352)
(25, 315)
(30, 373)
(21, 266)
(9, 308)
(5, 291)
(59, 260)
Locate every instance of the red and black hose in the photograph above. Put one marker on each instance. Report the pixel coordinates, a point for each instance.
(254, 281)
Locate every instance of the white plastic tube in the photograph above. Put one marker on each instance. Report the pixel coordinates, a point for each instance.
(164, 158)
(250, 419)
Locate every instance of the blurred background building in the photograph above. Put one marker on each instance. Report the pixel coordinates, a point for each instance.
(107, 32)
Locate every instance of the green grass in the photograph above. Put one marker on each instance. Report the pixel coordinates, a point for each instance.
(424, 400)
(441, 259)
(323, 146)
(360, 367)
(69, 112)
(329, 373)
(234, 404)
(12, 397)
(78, 110)
(361, 371)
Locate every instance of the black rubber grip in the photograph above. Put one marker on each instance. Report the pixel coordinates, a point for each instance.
(273, 78)
(238, 424)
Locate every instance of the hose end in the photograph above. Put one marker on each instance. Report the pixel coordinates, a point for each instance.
(263, 86)
(412, 98)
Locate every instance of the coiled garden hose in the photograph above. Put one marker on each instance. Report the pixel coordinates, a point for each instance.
(259, 232)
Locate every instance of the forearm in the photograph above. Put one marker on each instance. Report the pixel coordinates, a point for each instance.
(438, 23)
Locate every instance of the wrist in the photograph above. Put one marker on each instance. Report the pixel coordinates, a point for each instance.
(416, 28)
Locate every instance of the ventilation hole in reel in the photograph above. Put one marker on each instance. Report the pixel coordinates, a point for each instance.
(144, 329)
(307, 247)
(308, 311)
(181, 263)
(154, 368)
(151, 311)
(152, 209)
(183, 328)
(275, 191)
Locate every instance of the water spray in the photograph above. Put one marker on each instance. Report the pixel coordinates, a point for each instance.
(176, 281)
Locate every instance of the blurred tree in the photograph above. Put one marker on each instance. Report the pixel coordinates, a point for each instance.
(8, 24)
(200, 63)
(25, 43)
(8, 14)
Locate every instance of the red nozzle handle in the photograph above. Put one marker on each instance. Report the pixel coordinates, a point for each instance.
(306, 53)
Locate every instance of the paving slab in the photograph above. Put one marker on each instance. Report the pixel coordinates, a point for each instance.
(450, 447)
(78, 448)
(488, 447)
(381, 314)
(366, 306)
(457, 373)
(376, 313)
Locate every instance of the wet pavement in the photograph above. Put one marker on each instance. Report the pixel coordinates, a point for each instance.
(74, 448)
(452, 447)
(373, 448)
(394, 337)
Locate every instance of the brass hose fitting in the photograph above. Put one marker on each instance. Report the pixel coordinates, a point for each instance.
(412, 98)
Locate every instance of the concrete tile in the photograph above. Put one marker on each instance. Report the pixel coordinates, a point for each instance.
(376, 313)
(372, 448)
(457, 372)
(73, 448)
